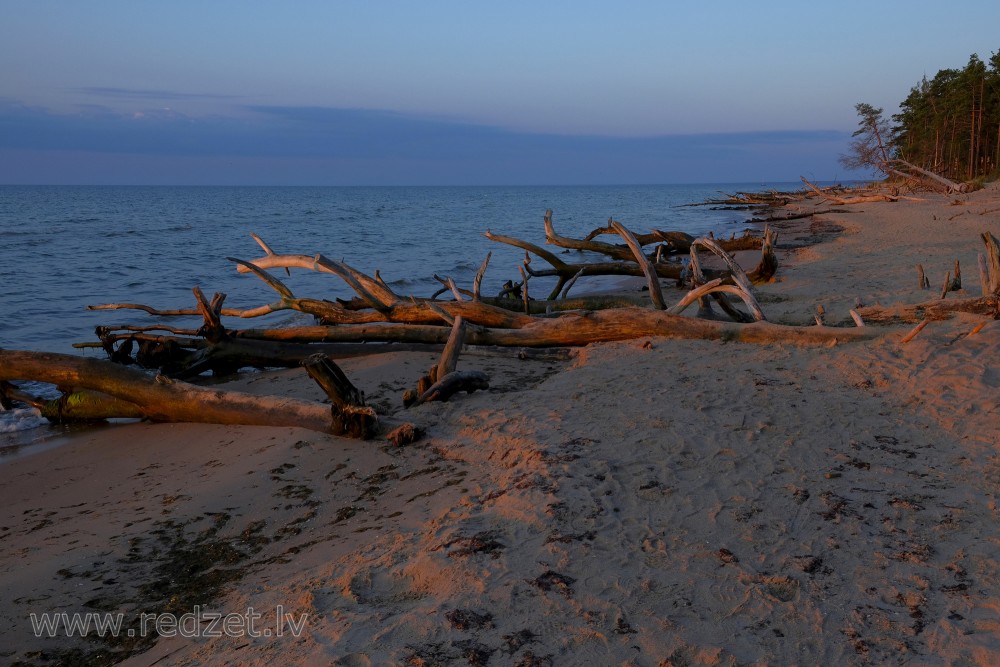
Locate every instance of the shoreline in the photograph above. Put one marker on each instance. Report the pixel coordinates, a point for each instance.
(650, 500)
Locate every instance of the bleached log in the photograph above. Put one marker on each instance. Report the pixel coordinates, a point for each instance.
(844, 201)
(582, 328)
(159, 398)
(614, 251)
(993, 264)
(652, 279)
(950, 186)
(931, 310)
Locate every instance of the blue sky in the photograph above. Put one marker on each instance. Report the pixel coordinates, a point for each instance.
(395, 92)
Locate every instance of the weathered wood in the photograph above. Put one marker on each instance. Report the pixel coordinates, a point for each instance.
(737, 272)
(993, 264)
(159, 398)
(524, 291)
(913, 333)
(449, 356)
(984, 275)
(714, 287)
(619, 252)
(741, 282)
(844, 201)
(349, 416)
(697, 293)
(85, 406)
(9, 393)
(477, 283)
(569, 284)
(454, 382)
(445, 368)
(947, 285)
(950, 186)
(404, 434)
(931, 310)
(212, 330)
(374, 292)
(585, 327)
(921, 278)
(652, 279)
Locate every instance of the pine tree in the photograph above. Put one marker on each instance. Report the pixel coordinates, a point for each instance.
(868, 150)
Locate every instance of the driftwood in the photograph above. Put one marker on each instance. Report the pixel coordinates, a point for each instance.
(988, 304)
(404, 434)
(377, 316)
(989, 268)
(844, 201)
(937, 181)
(739, 200)
(582, 328)
(627, 264)
(652, 280)
(349, 416)
(931, 310)
(157, 398)
(443, 379)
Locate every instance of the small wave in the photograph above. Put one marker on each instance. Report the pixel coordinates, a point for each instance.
(465, 266)
(21, 419)
(404, 282)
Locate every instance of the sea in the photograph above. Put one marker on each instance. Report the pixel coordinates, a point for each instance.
(63, 248)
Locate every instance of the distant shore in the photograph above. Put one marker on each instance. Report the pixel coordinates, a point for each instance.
(647, 502)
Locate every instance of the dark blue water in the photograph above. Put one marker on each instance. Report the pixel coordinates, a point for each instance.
(64, 247)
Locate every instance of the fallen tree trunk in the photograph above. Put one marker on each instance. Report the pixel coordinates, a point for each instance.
(576, 329)
(161, 399)
(845, 201)
(950, 186)
(931, 310)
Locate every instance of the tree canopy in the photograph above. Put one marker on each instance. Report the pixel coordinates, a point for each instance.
(949, 124)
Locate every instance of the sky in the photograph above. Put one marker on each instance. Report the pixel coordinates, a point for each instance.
(400, 92)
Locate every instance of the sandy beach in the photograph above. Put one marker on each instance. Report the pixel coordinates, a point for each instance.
(650, 502)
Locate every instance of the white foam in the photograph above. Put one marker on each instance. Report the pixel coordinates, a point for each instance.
(20, 419)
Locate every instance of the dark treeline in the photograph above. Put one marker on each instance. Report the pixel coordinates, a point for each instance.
(950, 124)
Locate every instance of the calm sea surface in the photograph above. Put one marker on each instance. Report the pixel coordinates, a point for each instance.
(65, 247)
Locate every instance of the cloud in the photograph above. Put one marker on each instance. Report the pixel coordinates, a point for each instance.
(148, 94)
(381, 146)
